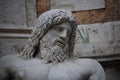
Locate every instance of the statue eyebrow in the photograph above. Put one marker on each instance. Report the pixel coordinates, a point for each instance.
(61, 27)
(57, 26)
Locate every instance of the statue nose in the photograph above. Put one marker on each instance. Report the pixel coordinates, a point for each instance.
(63, 35)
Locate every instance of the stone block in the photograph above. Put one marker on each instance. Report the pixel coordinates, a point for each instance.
(11, 48)
(116, 30)
(97, 39)
(12, 12)
(99, 32)
(93, 49)
(17, 13)
(77, 5)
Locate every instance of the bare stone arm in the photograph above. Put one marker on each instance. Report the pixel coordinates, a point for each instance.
(92, 69)
(98, 72)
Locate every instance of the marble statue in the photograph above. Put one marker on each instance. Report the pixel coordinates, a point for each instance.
(48, 54)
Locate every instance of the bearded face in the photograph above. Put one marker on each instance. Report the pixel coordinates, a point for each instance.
(54, 45)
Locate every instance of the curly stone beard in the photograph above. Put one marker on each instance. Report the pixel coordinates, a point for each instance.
(52, 52)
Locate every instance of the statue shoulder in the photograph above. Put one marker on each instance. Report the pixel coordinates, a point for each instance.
(93, 66)
(9, 60)
(9, 57)
(91, 63)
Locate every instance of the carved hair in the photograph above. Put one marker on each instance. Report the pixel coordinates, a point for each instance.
(44, 22)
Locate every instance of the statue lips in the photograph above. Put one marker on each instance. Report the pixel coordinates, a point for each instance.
(60, 43)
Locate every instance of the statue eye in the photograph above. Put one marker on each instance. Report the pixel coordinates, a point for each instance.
(58, 29)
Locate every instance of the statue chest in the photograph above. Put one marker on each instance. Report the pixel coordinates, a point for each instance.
(31, 70)
(68, 71)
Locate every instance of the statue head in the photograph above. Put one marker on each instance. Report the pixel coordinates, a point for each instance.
(54, 28)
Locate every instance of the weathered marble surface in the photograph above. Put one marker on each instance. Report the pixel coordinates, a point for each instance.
(98, 39)
(17, 13)
(77, 5)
